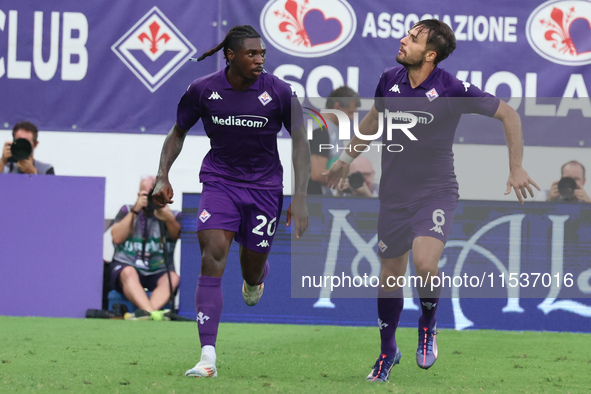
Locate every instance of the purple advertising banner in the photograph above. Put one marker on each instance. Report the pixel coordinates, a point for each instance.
(122, 66)
(534, 261)
(51, 240)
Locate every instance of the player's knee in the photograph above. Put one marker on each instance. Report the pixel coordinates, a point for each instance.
(212, 264)
(425, 266)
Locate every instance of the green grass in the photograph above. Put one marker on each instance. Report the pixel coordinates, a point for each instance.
(74, 355)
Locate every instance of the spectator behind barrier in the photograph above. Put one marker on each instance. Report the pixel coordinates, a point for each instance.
(144, 237)
(360, 182)
(18, 154)
(344, 99)
(570, 186)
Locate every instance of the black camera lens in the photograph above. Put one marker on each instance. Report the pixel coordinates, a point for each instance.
(20, 149)
(567, 187)
(151, 204)
(356, 180)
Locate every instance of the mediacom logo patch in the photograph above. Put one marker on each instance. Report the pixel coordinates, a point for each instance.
(153, 49)
(308, 28)
(560, 31)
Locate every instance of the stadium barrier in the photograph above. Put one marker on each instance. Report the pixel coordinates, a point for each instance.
(504, 245)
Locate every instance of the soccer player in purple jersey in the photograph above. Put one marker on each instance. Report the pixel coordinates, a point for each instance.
(418, 187)
(242, 109)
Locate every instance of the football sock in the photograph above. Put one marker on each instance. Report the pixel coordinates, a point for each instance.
(209, 352)
(265, 273)
(390, 304)
(429, 303)
(209, 302)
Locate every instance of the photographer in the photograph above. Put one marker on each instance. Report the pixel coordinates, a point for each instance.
(144, 237)
(360, 182)
(17, 156)
(343, 99)
(570, 187)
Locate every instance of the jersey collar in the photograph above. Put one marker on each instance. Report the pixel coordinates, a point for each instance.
(226, 84)
(426, 84)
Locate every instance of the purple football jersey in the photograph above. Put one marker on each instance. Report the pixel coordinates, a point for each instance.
(242, 127)
(424, 167)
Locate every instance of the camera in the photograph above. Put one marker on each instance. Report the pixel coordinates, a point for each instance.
(566, 188)
(356, 180)
(151, 205)
(20, 149)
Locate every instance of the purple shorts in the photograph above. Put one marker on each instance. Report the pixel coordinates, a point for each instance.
(398, 227)
(253, 214)
(149, 282)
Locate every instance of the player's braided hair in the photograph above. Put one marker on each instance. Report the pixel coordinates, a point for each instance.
(233, 39)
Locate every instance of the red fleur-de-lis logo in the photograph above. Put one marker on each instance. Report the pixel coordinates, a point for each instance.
(558, 30)
(153, 39)
(293, 23)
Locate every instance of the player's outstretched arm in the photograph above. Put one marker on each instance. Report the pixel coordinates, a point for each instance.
(301, 165)
(518, 180)
(173, 144)
(338, 171)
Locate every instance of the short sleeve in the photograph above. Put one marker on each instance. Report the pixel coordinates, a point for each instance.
(121, 214)
(292, 115)
(379, 94)
(189, 108)
(472, 99)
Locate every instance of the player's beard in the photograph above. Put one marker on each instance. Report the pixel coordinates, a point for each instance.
(410, 63)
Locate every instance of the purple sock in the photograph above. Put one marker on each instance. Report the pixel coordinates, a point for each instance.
(429, 303)
(390, 306)
(209, 302)
(265, 273)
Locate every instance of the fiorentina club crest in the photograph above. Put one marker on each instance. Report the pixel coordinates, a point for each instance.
(308, 28)
(560, 31)
(265, 98)
(204, 216)
(153, 49)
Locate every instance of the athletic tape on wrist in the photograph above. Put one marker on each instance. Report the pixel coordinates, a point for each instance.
(346, 158)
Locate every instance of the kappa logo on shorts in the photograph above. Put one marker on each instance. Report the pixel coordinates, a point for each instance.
(438, 221)
(204, 216)
(263, 244)
(265, 98)
(382, 246)
(432, 94)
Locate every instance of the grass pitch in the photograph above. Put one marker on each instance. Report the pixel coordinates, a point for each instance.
(93, 355)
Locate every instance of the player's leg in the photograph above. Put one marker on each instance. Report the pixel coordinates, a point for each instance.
(127, 281)
(209, 301)
(432, 225)
(260, 212)
(426, 254)
(218, 220)
(390, 305)
(255, 269)
(394, 245)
